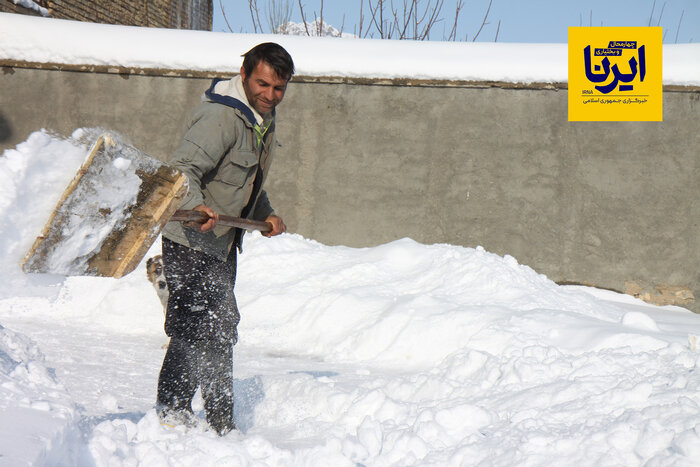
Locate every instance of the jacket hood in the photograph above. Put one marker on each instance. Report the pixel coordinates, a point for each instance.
(230, 92)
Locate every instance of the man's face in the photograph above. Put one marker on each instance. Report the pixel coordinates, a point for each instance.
(263, 88)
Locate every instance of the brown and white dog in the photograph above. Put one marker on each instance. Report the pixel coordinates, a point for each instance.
(154, 271)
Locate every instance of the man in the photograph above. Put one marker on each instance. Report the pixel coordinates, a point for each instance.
(225, 153)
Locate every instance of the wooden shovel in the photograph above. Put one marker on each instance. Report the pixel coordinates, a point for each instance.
(86, 236)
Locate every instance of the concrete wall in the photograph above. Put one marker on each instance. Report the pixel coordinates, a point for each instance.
(364, 164)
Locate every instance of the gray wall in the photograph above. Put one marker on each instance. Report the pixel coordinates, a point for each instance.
(363, 164)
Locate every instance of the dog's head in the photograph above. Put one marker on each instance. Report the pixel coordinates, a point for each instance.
(154, 271)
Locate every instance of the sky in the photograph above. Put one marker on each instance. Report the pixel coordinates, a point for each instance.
(532, 21)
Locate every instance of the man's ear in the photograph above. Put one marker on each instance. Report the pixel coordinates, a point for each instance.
(242, 73)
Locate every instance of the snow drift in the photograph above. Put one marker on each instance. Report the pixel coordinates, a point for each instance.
(401, 354)
(23, 38)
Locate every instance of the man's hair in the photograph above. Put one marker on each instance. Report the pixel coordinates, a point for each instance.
(272, 54)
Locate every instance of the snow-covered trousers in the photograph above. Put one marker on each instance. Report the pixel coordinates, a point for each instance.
(189, 365)
(201, 321)
(201, 304)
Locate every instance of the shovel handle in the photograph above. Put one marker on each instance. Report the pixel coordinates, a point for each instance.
(200, 217)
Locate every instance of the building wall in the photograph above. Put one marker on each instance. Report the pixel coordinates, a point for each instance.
(8, 6)
(177, 14)
(363, 164)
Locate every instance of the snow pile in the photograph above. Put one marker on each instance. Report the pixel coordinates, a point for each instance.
(32, 5)
(401, 354)
(23, 38)
(410, 354)
(311, 29)
(103, 206)
(32, 179)
(38, 415)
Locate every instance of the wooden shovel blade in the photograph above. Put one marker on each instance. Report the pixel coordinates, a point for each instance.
(80, 215)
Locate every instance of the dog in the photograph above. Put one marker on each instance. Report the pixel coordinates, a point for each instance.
(154, 272)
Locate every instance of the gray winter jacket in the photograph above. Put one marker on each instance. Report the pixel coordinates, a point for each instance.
(221, 156)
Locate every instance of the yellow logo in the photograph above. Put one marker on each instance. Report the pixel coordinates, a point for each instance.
(615, 74)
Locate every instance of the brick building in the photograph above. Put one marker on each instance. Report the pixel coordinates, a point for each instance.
(177, 14)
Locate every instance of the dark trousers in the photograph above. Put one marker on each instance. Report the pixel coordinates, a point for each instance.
(201, 321)
(206, 364)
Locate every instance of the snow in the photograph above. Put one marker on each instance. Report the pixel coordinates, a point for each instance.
(71, 255)
(48, 40)
(32, 5)
(312, 29)
(400, 354)
(41, 150)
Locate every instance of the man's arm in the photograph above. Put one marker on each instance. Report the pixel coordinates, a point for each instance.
(205, 142)
(199, 152)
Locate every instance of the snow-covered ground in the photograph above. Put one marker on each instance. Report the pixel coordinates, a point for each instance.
(401, 354)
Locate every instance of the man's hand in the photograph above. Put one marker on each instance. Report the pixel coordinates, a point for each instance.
(208, 225)
(278, 226)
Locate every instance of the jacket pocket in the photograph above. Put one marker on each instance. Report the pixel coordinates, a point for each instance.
(237, 168)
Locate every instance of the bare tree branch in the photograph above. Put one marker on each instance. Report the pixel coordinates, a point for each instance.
(402, 25)
(278, 15)
(303, 18)
(483, 23)
(661, 14)
(679, 26)
(407, 19)
(223, 13)
(453, 32)
(362, 18)
(414, 20)
(255, 15)
(433, 19)
(373, 11)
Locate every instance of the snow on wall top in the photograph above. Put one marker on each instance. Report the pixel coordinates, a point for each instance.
(45, 40)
